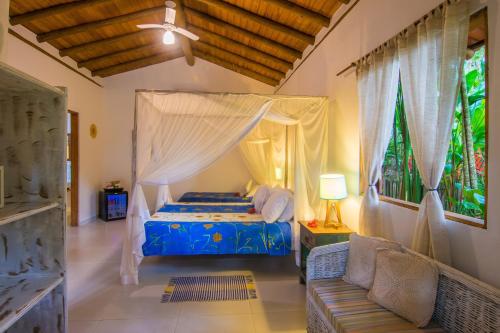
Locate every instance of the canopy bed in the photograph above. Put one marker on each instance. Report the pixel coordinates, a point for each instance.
(178, 134)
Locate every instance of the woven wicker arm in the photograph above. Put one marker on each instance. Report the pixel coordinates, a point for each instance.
(327, 261)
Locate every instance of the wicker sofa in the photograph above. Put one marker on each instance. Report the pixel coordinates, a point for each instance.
(463, 303)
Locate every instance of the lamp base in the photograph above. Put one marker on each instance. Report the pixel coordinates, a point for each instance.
(337, 219)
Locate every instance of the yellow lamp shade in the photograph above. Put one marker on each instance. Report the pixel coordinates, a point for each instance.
(332, 187)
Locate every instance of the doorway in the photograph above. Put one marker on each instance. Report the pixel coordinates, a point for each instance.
(72, 168)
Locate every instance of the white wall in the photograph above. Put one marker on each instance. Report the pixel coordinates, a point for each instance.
(85, 98)
(475, 250)
(227, 174)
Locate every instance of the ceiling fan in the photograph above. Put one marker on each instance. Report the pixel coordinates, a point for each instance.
(168, 26)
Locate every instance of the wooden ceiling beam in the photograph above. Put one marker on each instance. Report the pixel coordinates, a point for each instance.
(235, 58)
(53, 10)
(241, 49)
(136, 64)
(95, 45)
(235, 68)
(304, 13)
(55, 34)
(180, 21)
(246, 15)
(285, 52)
(91, 63)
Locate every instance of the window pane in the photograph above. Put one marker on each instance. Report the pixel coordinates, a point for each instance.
(462, 187)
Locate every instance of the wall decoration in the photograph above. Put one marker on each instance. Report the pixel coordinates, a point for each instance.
(93, 131)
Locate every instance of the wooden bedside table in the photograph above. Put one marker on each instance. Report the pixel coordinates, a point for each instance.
(312, 237)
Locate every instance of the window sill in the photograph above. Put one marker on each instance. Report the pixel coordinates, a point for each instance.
(472, 221)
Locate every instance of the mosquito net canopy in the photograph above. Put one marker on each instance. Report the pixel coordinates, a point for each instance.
(178, 135)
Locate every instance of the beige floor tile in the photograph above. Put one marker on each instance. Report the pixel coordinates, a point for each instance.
(81, 326)
(136, 326)
(215, 308)
(288, 321)
(274, 296)
(215, 324)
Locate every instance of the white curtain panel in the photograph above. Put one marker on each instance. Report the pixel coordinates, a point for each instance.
(180, 134)
(431, 59)
(378, 78)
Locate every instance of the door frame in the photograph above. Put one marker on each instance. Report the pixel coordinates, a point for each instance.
(74, 157)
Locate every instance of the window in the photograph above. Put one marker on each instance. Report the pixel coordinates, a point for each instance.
(463, 185)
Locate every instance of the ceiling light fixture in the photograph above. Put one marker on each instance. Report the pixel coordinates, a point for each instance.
(168, 38)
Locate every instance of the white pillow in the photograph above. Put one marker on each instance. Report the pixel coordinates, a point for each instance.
(275, 206)
(261, 195)
(288, 212)
(405, 284)
(360, 268)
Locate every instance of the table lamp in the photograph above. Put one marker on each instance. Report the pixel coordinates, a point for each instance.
(332, 187)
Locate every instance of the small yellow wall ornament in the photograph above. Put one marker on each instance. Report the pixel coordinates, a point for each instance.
(93, 131)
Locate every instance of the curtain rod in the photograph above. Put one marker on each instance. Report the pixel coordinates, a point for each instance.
(354, 63)
(217, 92)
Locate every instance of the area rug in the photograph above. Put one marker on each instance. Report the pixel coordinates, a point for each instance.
(209, 288)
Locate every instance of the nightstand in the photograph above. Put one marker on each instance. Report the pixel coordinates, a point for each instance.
(312, 237)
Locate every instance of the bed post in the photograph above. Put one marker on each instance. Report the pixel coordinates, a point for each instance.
(134, 146)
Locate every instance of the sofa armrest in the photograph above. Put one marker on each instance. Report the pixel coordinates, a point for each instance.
(327, 261)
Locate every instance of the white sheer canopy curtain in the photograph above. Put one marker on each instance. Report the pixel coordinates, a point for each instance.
(264, 150)
(179, 135)
(431, 60)
(378, 77)
(309, 118)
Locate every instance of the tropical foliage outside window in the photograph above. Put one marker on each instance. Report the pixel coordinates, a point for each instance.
(463, 185)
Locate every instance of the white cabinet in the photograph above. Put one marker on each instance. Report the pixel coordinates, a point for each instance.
(33, 219)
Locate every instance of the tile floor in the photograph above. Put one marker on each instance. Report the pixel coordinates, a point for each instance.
(98, 303)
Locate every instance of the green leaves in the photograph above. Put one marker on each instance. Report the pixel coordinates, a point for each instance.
(401, 179)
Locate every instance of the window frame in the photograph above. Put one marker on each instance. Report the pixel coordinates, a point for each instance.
(451, 216)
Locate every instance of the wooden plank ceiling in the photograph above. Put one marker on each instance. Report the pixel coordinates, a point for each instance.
(257, 38)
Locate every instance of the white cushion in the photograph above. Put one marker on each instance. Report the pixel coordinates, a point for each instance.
(288, 212)
(361, 262)
(275, 205)
(261, 195)
(405, 284)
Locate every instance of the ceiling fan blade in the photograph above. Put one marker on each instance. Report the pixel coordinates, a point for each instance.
(186, 33)
(169, 15)
(150, 26)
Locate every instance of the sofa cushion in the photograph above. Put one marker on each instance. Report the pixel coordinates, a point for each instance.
(348, 309)
(360, 268)
(405, 284)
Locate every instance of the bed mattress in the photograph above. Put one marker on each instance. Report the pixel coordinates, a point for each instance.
(215, 234)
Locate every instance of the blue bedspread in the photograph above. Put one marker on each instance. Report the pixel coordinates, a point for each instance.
(213, 197)
(195, 238)
(194, 208)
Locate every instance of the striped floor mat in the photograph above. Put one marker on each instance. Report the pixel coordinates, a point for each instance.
(209, 288)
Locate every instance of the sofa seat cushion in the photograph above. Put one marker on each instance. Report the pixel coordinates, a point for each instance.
(348, 309)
